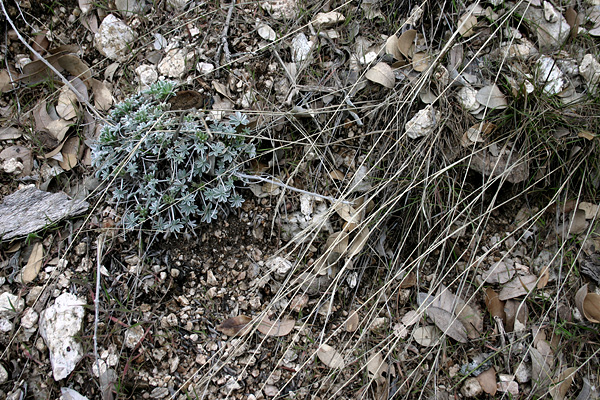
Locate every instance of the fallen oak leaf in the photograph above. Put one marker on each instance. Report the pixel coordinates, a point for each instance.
(236, 326)
(276, 328)
(448, 323)
(330, 357)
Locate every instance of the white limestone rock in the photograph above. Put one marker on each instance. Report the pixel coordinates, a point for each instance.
(114, 38)
(173, 65)
(59, 325)
(10, 304)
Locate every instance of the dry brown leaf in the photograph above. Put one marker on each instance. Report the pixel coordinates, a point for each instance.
(411, 318)
(337, 242)
(34, 263)
(544, 277)
(408, 281)
(336, 175)
(519, 286)
(590, 210)
(103, 99)
(448, 323)
(37, 71)
(70, 153)
(276, 328)
(588, 304)
(572, 20)
(421, 61)
(499, 272)
(236, 326)
(541, 371)
(382, 74)
(586, 135)
(76, 67)
(67, 100)
(494, 305)
(563, 383)
(466, 23)
(471, 319)
(491, 97)
(348, 213)
(487, 380)
(299, 302)
(516, 315)
(406, 43)
(5, 81)
(426, 335)
(377, 367)
(391, 47)
(359, 241)
(330, 357)
(58, 129)
(352, 322)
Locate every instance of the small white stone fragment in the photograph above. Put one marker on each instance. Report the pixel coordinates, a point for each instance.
(210, 278)
(301, 47)
(205, 68)
(423, 123)
(471, 388)
(173, 65)
(3, 375)
(71, 394)
(523, 373)
(133, 336)
(128, 7)
(147, 75)
(328, 19)
(59, 326)
(12, 166)
(550, 76)
(467, 98)
(178, 4)
(29, 318)
(114, 38)
(10, 304)
(281, 9)
(590, 71)
(306, 204)
(6, 325)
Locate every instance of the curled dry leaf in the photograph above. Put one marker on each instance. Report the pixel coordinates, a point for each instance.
(519, 286)
(406, 43)
(5, 81)
(330, 357)
(34, 263)
(487, 380)
(76, 67)
(477, 133)
(377, 367)
(391, 47)
(588, 304)
(71, 152)
(348, 213)
(421, 61)
(382, 74)
(352, 322)
(236, 326)
(466, 23)
(426, 336)
(494, 305)
(299, 302)
(563, 383)
(448, 323)
(276, 328)
(359, 241)
(102, 97)
(328, 19)
(491, 97)
(67, 101)
(336, 175)
(337, 242)
(516, 315)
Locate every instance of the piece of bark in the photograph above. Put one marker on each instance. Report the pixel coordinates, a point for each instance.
(29, 210)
